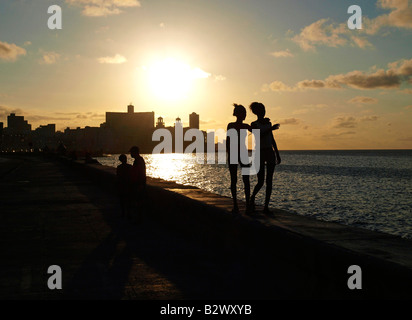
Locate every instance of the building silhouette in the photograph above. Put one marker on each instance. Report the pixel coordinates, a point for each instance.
(120, 131)
(17, 125)
(160, 123)
(130, 128)
(194, 121)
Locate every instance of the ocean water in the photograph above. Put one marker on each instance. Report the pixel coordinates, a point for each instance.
(368, 189)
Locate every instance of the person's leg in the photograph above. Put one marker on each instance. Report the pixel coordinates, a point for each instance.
(259, 185)
(269, 182)
(246, 183)
(233, 185)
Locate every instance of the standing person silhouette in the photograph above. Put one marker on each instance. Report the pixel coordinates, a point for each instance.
(269, 154)
(138, 180)
(240, 113)
(124, 172)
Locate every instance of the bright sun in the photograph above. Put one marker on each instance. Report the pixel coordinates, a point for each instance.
(170, 79)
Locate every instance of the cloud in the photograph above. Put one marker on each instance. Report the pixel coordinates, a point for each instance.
(322, 32)
(400, 16)
(370, 118)
(103, 8)
(117, 59)
(315, 84)
(37, 118)
(361, 42)
(5, 111)
(363, 100)
(90, 115)
(396, 73)
(49, 58)
(290, 121)
(10, 52)
(282, 54)
(276, 86)
(337, 135)
(360, 80)
(345, 122)
(319, 33)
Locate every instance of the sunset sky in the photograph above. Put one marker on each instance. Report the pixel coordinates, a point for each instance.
(330, 87)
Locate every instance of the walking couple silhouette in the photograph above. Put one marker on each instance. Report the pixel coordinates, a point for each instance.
(269, 156)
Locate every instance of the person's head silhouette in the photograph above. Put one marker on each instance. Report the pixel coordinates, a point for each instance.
(134, 151)
(239, 112)
(123, 158)
(258, 109)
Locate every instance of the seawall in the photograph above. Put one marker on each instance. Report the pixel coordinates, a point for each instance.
(314, 256)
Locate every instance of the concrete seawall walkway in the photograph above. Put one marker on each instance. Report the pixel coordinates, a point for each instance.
(52, 213)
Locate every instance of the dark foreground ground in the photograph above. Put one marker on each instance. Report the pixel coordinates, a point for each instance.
(188, 246)
(51, 215)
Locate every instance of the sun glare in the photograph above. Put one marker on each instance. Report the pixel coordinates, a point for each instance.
(171, 79)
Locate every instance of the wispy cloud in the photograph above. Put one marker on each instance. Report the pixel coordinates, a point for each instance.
(369, 118)
(345, 122)
(5, 111)
(10, 52)
(397, 72)
(337, 135)
(290, 121)
(363, 100)
(103, 8)
(282, 54)
(117, 59)
(49, 57)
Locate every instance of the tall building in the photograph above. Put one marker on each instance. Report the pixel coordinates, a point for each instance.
(130, 128)
(194, 121)
(17, 125)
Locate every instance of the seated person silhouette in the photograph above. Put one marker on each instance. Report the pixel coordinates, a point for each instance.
(124, 173)
(89, 160)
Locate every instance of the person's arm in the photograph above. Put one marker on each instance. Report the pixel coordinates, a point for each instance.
(275, 126)
(270, 129)
(144, 171)
(228, 139)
